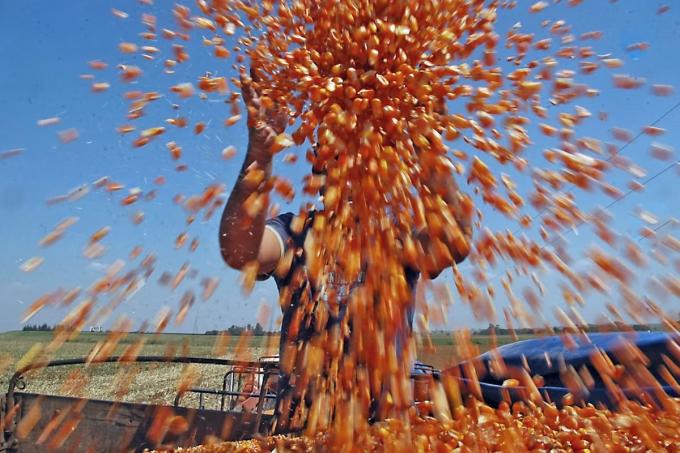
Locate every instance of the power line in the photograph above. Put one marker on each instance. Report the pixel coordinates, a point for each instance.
(647, 181)
(651, 178)
(644, 236)
(621, 197)
(657, 121)
(624, 146)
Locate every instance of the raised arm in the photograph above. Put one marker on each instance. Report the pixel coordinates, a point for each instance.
(243, 237)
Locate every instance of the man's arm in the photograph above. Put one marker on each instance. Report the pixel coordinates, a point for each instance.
(243, 236)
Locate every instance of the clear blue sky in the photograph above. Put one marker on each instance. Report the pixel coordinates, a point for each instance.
(44, 46)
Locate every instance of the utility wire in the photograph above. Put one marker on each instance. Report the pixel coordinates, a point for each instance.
(647, 181)
(658, 227)
(624, 146)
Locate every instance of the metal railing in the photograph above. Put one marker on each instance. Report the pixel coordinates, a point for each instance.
(17, 380)
(18, 375)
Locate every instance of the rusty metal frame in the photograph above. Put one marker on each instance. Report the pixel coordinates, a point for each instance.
(230, 374)
(224, 392)
(16, 381)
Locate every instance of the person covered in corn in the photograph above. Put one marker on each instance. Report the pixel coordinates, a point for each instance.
(245, 240)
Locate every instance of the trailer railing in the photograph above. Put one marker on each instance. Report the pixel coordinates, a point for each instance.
(266, 369)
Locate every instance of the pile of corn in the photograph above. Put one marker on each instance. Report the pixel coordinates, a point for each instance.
(480, 428)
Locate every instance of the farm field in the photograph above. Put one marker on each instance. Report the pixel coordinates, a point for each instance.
(157, 383)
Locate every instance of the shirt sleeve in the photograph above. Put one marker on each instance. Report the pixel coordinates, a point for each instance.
(280, 226)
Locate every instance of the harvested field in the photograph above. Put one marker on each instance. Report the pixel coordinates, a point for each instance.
(152, 383)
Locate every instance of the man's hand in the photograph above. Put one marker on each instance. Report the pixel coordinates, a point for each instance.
(243, 237)
(265, 118)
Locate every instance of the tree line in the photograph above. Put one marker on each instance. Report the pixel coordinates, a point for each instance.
(590, 328)
(258, 331)
(249, 329)
(37, 328)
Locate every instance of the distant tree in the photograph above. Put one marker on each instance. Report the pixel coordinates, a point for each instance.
(37, 328)
(235, 330)
(491, 329)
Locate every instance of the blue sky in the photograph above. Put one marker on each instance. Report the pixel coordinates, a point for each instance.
(45, 46)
